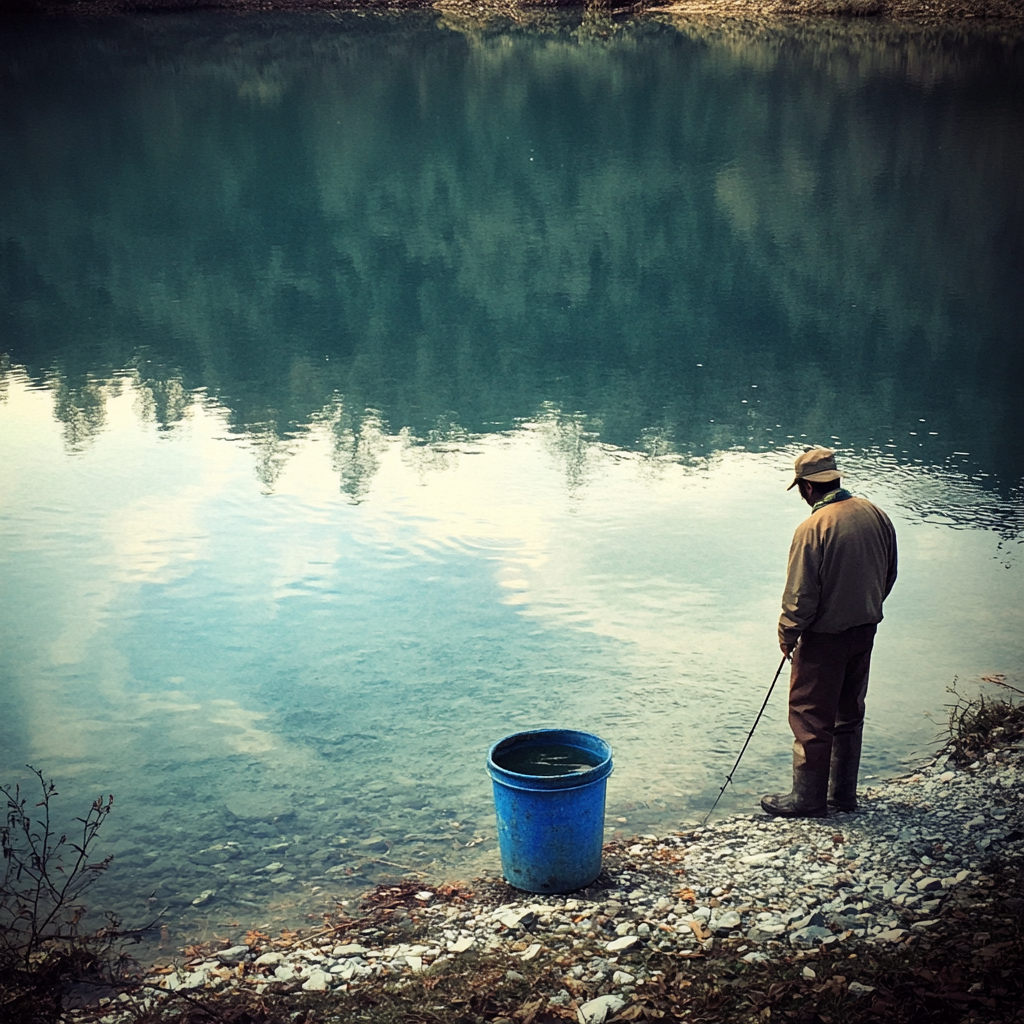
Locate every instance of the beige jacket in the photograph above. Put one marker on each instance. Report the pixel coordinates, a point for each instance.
(842, 565)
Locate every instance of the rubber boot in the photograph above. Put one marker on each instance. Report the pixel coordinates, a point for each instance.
(810, 789)
(842, 778)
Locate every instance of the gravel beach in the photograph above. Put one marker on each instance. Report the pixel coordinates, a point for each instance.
(914, 867)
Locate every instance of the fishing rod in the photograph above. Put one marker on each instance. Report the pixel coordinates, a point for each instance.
(728, 777)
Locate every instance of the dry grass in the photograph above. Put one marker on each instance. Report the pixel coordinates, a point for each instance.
(979, 725)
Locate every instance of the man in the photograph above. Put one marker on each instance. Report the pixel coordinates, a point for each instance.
(842, 565)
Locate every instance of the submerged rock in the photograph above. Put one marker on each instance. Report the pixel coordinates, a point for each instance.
(256, 807)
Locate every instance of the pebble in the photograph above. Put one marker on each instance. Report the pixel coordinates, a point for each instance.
(318, 981)
(597, 1011)
(764, 887)
(234, 955)
(349, 949)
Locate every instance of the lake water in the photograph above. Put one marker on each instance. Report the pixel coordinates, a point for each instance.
(371, 389)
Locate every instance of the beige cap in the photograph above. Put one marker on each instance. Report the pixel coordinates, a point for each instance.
(818, 465)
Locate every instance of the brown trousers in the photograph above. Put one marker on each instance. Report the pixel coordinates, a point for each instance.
(827, 687)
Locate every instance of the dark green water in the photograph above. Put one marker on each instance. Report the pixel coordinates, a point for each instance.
(372, 389)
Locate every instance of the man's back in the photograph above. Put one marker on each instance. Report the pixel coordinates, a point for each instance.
(842, 565)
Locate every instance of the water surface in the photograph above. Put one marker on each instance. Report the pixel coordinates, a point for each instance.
(375, 388)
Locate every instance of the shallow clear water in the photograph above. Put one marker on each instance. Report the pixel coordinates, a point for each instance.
(374, 389)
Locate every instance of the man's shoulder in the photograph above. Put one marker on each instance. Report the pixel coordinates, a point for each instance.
(861, 504)
(852, 513)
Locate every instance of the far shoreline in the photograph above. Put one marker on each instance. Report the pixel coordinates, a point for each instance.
(913, 12)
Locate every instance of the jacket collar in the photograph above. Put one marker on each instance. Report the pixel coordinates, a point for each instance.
(840, 494)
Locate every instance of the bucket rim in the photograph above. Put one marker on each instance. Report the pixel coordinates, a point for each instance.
(602, 768)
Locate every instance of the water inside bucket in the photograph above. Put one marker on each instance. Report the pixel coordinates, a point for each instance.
(547, 759)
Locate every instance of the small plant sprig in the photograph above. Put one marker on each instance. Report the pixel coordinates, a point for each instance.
(980, 724)
(44, 878)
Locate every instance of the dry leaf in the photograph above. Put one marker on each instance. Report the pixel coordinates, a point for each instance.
(630, 1012)
(528, 1011)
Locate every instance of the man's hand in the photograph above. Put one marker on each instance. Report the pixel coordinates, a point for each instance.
(787, 649)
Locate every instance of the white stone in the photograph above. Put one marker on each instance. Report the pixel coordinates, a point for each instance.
(318, 981)
(727, 920)
(760, 858)
(233, 955)
(808, 973)
(622, 978)
(511, 918)
(531, 951)
(621, 944)
(596, 1011)
(462, 945)
(347, 949)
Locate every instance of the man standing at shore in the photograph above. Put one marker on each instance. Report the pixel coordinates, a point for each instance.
(842, 565)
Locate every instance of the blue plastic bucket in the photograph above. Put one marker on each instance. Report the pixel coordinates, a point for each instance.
(550, 827)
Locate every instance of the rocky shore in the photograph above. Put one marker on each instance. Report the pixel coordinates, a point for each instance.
(931, 861)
